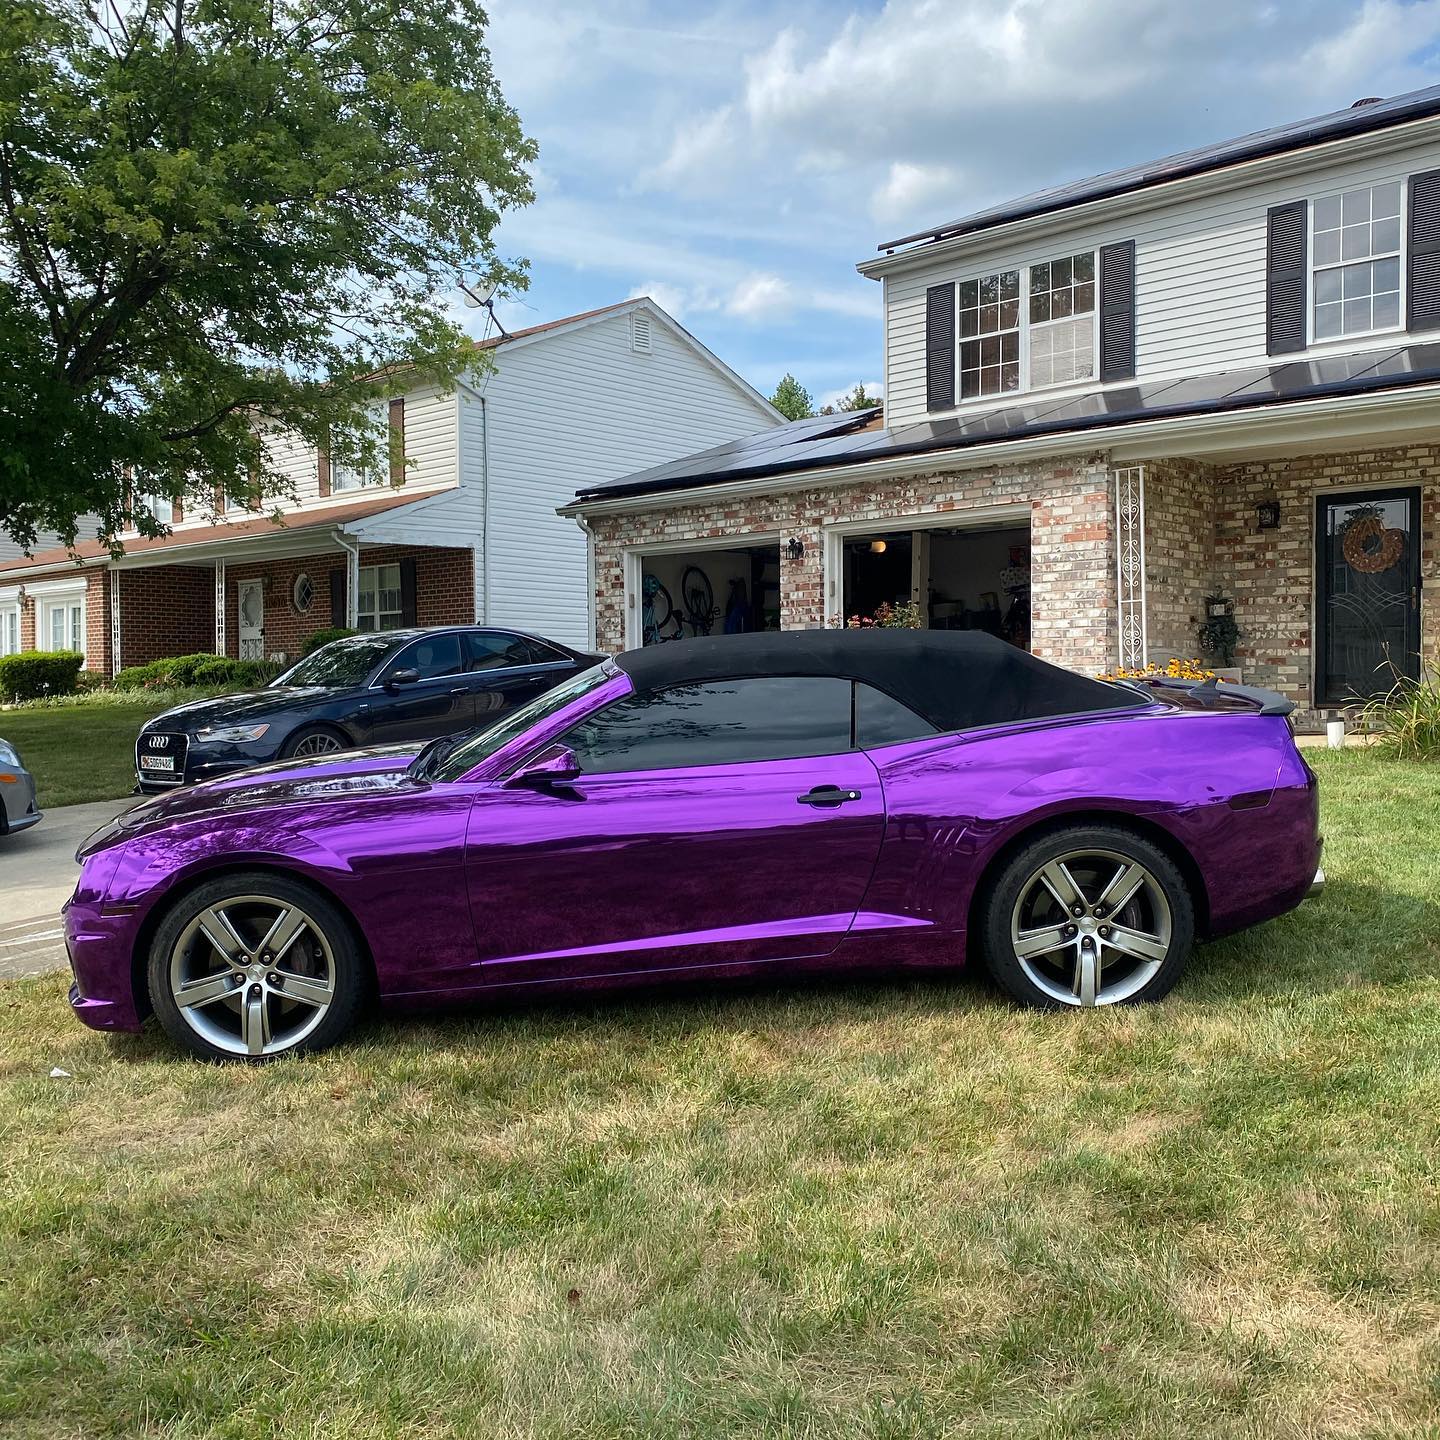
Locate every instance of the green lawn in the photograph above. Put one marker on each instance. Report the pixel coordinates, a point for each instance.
(80, 752)
(869, 1210)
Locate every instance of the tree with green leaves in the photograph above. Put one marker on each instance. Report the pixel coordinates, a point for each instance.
(792, 399)
(221, 219)
(858, 399)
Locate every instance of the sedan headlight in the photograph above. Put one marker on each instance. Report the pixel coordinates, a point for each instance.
(232, 734)
(8, 754)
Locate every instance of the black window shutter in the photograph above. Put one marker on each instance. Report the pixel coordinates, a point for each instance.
(1285, 278)
(940, 347)
(1422, 305)
(408, 609)
(337, 597)
(1117, 311)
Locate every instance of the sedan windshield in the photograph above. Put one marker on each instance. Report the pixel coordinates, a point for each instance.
(452, 763)
(339, 664)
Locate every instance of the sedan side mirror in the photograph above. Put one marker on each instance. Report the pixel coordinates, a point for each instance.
(396, 678)
(554, 765)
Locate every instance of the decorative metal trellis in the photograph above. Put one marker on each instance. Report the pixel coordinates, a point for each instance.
(1130, 564)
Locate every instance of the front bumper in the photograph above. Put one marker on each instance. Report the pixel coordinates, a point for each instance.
(204, 762)
(100, 947)
(19, 809)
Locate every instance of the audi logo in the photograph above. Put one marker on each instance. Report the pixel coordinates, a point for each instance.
(158, 742)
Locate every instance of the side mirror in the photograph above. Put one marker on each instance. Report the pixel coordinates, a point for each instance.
(554, 765)
(396, 678)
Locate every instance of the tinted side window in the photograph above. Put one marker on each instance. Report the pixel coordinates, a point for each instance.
(494, 651)
(719, 722)
(880, 719)
(432, 656)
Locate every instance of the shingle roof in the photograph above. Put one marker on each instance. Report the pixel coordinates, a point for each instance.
(1355, 119)
(325, 516)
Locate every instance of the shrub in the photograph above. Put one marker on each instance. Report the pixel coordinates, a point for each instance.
(183, 672)
(33, 673)
(1407, 720)
(324, 637)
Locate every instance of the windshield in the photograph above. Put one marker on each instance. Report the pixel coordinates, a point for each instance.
(452, 764)
(340, 663)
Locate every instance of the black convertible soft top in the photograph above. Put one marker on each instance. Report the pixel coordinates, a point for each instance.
(956, 679)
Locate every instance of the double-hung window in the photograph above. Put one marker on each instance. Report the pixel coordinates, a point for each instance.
(1062, 320)
(379, 602)
(160, 506)
(1027, 328)
(1355, 249)
(62, 623)
(10, 628)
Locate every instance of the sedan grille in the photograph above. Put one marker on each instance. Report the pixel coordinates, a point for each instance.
(160, 757)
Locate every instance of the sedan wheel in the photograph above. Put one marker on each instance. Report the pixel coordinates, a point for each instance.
(317, 742)
(1089, 917)
(249, 971)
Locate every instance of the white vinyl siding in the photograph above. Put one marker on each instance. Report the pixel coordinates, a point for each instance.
(571, 409)
(1199, 274)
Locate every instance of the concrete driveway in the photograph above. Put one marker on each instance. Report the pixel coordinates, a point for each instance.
(37, 874)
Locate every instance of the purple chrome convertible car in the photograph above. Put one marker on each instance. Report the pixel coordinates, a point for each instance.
(808, 802)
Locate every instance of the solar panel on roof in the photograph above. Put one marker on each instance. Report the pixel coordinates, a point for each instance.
(1251, 387)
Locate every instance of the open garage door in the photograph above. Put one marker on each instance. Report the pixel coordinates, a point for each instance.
(707, 590)
(959, 577)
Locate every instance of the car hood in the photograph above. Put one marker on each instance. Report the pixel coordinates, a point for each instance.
(279, 785)
(247, 705)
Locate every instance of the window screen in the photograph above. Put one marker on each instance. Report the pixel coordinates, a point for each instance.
(718, 722)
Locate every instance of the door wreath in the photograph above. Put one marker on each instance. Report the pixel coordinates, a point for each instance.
(1367, 545)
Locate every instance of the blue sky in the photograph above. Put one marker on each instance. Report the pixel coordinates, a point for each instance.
(735, 160)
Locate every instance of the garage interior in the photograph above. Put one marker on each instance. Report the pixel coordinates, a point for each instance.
(963, 578)
(733, 591)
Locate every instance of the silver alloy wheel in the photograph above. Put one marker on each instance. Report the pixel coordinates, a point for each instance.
(1091, 927)
(253, 975)
(321, 742)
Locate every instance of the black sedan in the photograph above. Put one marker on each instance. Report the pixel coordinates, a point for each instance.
(374, 689)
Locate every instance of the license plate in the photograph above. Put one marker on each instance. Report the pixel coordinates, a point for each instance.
(158, 762)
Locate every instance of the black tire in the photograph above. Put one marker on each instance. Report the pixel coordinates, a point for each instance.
(294, 742)
(1161, 917)
(343, 968)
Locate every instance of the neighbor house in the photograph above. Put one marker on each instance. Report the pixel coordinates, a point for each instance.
(1201, 387)
(465, 530)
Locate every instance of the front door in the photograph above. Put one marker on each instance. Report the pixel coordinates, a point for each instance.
(1368, 578)
(436, 703)
(252, 620)
(653, 859)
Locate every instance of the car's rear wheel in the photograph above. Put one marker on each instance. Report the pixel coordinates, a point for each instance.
(1092, 915)
(254, 966)
(316, 740)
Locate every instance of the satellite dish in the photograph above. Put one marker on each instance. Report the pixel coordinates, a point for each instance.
(481, 301)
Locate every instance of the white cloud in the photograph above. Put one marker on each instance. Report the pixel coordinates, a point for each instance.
(834, 397)
(908, 188)
(759, 297)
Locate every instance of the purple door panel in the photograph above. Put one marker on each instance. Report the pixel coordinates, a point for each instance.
(660, 869)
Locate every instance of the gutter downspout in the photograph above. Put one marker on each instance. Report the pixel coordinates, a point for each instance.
(351, 547)
(484, 597)
(591, 618)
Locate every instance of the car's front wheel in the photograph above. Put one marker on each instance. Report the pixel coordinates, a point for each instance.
(1088, 915)
(254, 966)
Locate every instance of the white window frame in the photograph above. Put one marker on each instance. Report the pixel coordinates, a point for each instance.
(376, 613)
(160, 507)
(1312, 269)
(344, 479)
(67, 597)
(9, 615)
(1025, 388)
